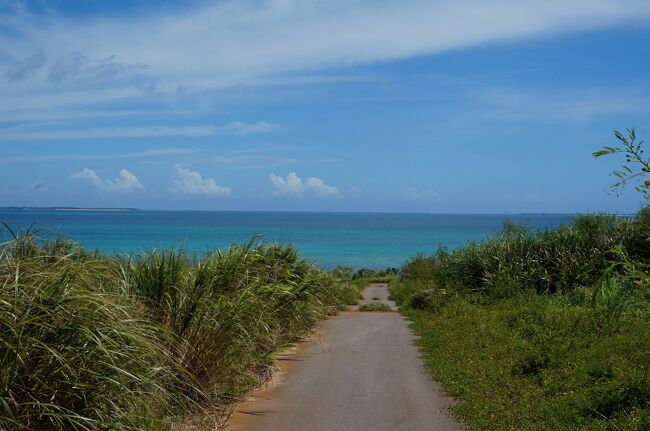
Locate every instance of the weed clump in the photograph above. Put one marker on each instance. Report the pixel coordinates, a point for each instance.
(374, 307)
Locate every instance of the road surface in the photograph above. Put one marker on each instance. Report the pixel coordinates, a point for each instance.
(362, 374)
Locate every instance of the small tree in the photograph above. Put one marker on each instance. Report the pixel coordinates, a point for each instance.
(636, 167)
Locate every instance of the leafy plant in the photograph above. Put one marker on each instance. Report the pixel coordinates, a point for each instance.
(637, 165)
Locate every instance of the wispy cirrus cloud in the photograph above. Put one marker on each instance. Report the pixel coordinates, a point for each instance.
(213, 45)
(156, 152)
(244, 129)
(124, 182)
(255, 161)
(44, 133)
(107, 133)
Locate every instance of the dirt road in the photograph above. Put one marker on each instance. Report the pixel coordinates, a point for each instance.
(363, 374)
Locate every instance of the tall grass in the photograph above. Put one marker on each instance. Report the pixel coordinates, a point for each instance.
(90, 342)
(74, 354)
(231, 310)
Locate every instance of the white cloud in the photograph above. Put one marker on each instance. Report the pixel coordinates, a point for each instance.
(193, 183)
(53, 61)
(125, 182)
(38, 132)
(244, 129)
(317, 185)
(294, 185)
(156, 152)
(255, 161)
(112, 133)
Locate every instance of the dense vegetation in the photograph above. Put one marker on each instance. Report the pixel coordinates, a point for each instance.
(90, 342)
(540, 330)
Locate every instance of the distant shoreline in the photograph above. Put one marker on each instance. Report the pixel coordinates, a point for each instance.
(504, 214)
(69, 209)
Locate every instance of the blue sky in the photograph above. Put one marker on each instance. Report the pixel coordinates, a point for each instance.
(340, 105)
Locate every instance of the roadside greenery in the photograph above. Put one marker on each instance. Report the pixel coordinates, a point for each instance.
(541, 330)
(89, 342)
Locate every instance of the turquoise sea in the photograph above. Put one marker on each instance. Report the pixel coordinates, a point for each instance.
(328, 239)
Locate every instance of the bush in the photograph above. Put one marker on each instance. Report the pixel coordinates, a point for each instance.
(546, 262)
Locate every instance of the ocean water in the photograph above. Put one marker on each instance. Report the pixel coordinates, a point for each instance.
(328, 239)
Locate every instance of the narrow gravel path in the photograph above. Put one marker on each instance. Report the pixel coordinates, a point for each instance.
(363, 374)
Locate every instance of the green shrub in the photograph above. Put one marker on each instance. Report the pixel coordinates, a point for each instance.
(558, 260)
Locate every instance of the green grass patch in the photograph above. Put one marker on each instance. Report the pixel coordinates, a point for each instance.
(374, 307)
(537, 363)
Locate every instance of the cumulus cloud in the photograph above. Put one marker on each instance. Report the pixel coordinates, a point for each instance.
(193, 183)
(125, 181)
(294, 185)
